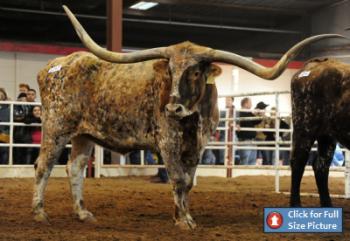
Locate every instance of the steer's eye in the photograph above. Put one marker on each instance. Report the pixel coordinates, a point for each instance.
(196, 73)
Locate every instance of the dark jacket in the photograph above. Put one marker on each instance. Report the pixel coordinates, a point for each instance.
(23, 134)
(4, 117)
(247, 135)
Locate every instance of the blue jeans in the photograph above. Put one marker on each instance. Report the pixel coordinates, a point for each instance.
(208, 158)
(247, 157)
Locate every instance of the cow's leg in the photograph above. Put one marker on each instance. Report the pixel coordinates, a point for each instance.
(50, 150)
(183, 219)
(81, 152)
(181, 176)
(302, 143)
(326, 147)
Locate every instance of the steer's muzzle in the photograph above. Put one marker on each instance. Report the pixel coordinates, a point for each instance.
(175, 110)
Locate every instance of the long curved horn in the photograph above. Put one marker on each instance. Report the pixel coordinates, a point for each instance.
(111, 56)
(262, 71)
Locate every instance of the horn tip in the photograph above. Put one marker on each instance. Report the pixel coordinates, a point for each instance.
(66, 9)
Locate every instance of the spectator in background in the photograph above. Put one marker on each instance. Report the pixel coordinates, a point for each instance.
(20, 111)
(3, 95)
(31, 95)
(265, 155)
(338, 157)
(247, 157)
(284, 136)
(21, 134)
(208, 157)
(4, 130)
(23, 88)
(35, 134)
(135, 157)
(219, 135)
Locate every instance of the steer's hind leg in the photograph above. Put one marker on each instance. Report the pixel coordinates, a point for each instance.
(302, 143)
(326, 147)
(81, 152)
(51, 149)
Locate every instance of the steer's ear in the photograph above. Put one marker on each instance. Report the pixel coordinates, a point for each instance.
(215, 70)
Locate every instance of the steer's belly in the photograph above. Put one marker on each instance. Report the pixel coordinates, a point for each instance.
(123, 144)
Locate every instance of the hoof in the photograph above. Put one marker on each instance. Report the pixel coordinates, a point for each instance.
(185, 224)
(41, 217)
(86, 216)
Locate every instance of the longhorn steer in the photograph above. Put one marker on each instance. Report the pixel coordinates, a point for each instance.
(321, 107)
(162, 103)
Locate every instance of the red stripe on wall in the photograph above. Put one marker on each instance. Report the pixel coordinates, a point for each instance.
(272, 62)
(38, 48)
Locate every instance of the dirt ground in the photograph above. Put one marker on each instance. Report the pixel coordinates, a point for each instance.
(135, 209)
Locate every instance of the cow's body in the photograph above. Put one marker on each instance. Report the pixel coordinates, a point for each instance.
(121, 107)
(115, 104)
(321, 112)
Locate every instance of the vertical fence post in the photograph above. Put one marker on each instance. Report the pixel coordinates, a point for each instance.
(230, 158)
(195, 177)
(277, 151)
(226, 160)
(347, 174)
(10, 158)
(234, 138)
(98, 160)
(142, 157)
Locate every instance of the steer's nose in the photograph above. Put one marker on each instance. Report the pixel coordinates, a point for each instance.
(174, 110)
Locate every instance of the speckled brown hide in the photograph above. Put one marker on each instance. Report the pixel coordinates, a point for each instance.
(321, 107)
(122, 107)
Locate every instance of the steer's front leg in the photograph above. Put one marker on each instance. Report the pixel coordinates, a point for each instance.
(181, 189)
(181, 176)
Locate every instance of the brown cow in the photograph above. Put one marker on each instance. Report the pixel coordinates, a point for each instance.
(162, 103)
(321, 107)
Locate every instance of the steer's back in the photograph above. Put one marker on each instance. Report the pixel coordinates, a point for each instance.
(319, 91)
(67, 82)
(111, 102)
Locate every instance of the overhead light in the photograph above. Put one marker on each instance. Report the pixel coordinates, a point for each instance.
(143, 5)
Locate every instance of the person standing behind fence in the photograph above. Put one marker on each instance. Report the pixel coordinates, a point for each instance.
(20, 133)
(20, 111)
(35, 133)
(284, 136)
(266, 155)
(31, 95)
(247, 157)
(4, 130)
(23, 88)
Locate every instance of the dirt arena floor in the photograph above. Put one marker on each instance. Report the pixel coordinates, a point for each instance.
(135, 209)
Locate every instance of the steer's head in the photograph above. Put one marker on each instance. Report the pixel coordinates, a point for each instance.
(190, 66)
(190, 70)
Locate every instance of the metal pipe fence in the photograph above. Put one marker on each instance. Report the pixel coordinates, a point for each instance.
(222, 145)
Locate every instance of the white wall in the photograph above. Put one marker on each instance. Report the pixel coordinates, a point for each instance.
(16, 68)
(235, 80)
(8, 73)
